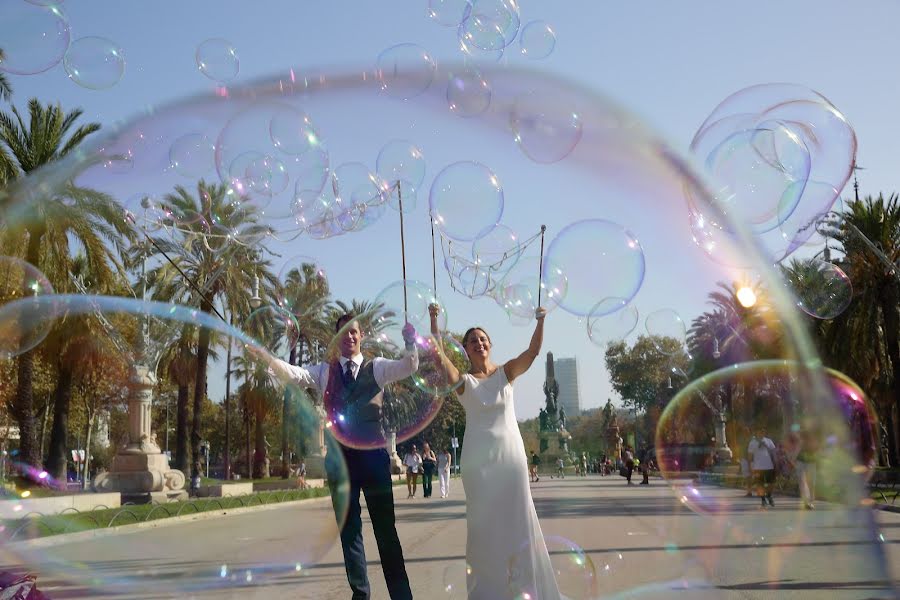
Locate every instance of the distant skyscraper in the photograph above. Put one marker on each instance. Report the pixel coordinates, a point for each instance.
(566, 374)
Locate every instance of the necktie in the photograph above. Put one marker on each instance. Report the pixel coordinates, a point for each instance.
(348, 372)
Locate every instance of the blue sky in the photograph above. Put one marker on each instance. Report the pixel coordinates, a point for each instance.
(670, 63)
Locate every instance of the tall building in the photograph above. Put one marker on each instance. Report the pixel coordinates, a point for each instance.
(566, 375)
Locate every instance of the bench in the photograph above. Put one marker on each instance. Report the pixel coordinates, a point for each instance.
(885, 485)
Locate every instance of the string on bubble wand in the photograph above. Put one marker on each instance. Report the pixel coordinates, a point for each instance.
(402, 252)
(541, 266)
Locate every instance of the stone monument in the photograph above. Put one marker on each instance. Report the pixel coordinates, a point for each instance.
(140, 470)
(554, 439)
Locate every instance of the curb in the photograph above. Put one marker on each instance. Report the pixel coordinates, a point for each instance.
(80, 536)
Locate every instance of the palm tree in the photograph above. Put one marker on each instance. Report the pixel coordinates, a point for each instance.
(221, 267)
(47, 229)
(864, 341)
(5, 87)
(305, 294)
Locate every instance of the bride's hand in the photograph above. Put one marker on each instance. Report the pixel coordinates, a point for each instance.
(540, 312)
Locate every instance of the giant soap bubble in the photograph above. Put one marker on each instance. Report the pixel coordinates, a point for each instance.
(617, 173)
(120, 339)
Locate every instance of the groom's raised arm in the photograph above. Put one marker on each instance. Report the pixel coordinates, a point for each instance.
(387, 371)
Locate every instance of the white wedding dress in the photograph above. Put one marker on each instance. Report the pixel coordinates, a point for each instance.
(505, 548)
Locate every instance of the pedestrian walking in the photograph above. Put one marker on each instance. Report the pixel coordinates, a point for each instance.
(413, 462)
(761, 451)
(444, 463)
(429, 465)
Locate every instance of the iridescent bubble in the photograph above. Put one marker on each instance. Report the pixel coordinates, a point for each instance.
(611, 250)
(715, 418)
(292, 131)
(273, 327)
(498, 251)
(546, 131)
(822, 288)
(573, 569)
(490, 24)
(401, 160)
(407, 406)
(108, 368)
(402, 196)
(266, 176)
(468, 93)
(310, 170)
(760, 175)
(343, 201)
(448, 13)
(303, 286)
(530, 284)
(405, 71)
(466, 200)
(192, 155)
(474, 281)
(35, 38)
(21, 281)
(787, 217)
(94, 63)
(473, 54)
(611, 321)
(664, 326)
(537, 40)
(458, 581)
(217, 59)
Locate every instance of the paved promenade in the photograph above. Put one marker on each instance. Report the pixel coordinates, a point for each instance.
(642, 541)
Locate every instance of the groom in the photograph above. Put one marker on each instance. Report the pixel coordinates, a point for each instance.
(355, 385)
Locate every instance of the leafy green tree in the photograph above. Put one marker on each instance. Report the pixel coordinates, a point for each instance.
(47, 229)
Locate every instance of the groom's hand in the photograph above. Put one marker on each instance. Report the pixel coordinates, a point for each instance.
(540, 312)
(409, 336)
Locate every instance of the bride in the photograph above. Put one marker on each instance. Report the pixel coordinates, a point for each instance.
(505, 549)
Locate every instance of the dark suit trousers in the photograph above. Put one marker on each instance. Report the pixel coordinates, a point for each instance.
(369, 473)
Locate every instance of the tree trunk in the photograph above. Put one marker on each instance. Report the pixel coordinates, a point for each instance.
(247, 440)
(228, 409)
(890, 309)
(23, 409)
(91, 416)
(259, 455)
(62, 398)
(199, 390)
(181, 430)
(42, 435)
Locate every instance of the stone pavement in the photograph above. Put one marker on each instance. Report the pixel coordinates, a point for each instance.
(643, 542)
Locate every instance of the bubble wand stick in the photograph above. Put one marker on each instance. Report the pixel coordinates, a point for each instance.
(402, 251)
(541, 266)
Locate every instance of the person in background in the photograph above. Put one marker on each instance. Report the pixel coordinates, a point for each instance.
(429, 464)
(301, 474)
(560, 468)
(761, 451)
(444, 462)
(629, 463)
(535, 463)
(413, 462)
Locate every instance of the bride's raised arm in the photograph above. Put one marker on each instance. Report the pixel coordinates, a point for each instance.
(522, 363)
(453, 375)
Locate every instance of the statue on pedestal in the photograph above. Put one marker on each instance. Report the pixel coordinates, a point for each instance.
(551, 391)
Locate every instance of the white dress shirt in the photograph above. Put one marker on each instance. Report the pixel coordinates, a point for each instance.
(316, 376)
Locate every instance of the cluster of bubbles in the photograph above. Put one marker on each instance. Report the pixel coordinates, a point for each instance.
(487, 28)
(778, 156)
(38, 37)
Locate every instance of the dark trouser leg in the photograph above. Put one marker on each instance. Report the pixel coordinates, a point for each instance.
(426, 483)
(380, 500)
(629, 470)
(352, 543)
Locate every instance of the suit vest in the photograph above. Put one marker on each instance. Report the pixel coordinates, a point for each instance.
(354, 409)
